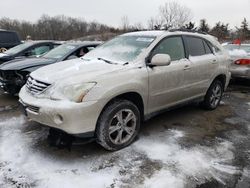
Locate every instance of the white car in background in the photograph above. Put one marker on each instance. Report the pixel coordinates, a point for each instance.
(240, 57)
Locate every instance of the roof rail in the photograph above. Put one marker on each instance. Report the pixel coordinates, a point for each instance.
(188, 30)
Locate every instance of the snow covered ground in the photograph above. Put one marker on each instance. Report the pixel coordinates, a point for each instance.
(184, 148)
(24, 164)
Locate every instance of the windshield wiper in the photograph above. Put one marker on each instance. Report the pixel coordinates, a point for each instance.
(107, 61)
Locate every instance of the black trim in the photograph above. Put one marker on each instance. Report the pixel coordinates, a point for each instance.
(188, 30)
(85, 135)
(159, 112)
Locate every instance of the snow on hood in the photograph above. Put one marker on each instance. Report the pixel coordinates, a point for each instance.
(76, 69)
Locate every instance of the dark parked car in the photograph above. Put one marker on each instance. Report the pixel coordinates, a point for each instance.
(8, 39)
(28, 49)
(14, 74)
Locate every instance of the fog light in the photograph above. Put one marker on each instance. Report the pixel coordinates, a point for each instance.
(58, 119)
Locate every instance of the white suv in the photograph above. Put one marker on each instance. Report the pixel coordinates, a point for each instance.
(109, 92)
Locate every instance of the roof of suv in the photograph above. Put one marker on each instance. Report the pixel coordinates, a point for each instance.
(158, 33)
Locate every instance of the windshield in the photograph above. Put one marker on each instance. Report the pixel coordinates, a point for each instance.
(121, 49)
(60, 51)
(18, 48)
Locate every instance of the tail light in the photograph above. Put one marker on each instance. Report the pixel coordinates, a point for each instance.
(242, 62)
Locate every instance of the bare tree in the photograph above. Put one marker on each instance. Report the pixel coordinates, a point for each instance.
(154, 23)
(137, 27)
(174, 15)
(125, 23)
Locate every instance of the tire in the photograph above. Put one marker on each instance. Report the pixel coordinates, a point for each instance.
(213, 96)
(112, 132)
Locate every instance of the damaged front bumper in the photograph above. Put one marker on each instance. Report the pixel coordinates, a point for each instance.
(12, 81)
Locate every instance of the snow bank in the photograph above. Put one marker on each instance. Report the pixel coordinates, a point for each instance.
(23, 164)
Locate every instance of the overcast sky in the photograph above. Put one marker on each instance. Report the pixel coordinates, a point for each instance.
(110, 11)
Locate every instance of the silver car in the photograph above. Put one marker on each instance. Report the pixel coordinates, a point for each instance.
(109, 92)
(240, 57)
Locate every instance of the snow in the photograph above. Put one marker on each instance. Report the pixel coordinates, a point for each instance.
(237, 52)
(198, 163)
(145, 33)
(164, 179)
(30, 166)
(2, 54)
(25, 159)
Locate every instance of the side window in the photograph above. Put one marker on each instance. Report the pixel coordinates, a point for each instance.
(207, 48)
(82, 51)
(195, 46)
(40, 50)
(214, 48)
(172, 46)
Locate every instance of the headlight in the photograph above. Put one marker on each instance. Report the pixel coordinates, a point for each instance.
(74, 92)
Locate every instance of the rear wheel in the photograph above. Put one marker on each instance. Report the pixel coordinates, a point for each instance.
(213, 96)
(118, 125)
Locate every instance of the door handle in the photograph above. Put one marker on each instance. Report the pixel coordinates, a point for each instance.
(187, 67)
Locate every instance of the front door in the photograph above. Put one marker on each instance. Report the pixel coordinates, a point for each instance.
(166, 83)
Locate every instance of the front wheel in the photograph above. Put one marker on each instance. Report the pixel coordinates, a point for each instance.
(118, 125)
(213, 96)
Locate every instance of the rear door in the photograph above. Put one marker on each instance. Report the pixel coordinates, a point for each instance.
(166, 83)
(204, 65)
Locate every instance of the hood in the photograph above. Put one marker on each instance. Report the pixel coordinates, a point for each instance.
(26, 63)
(75, 70)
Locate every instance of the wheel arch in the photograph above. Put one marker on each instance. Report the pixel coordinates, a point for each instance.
(222, 78)
(134, 97)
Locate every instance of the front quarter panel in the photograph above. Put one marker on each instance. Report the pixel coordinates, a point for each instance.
(129, 79)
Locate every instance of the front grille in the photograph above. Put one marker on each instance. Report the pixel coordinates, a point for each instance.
(33, 108)
(35, 86)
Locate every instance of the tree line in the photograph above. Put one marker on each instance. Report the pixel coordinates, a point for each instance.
(221, 30)
(171, 15)
(55, 28)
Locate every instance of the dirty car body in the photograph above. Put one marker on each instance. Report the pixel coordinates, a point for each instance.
(144, 71)
(14, 74)
(240, 57)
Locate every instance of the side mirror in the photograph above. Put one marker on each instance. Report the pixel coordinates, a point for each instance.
(160, 60)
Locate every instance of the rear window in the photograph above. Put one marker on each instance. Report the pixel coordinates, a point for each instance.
(195, 46)
(8, 37)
